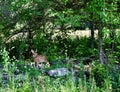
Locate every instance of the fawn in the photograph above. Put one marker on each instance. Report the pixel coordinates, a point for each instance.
(39, 58)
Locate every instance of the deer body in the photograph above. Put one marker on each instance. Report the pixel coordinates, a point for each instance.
(39, 58)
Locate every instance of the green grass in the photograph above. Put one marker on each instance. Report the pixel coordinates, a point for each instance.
(44, 83)
(32, 80)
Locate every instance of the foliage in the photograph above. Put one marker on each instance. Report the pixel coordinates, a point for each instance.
(115, 80)
(45, 83)
(44, 25)
(36, 80)
(100, 73)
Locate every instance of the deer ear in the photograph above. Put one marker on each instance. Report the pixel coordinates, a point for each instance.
(32, 50)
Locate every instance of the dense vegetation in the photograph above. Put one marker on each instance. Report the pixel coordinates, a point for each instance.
(46, 26)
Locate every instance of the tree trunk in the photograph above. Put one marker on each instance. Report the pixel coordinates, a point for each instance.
(92, 35)
(20, 45)
(102, 57)
(112, 37)
(29, 39)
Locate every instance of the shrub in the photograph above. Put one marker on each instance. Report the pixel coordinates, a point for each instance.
(100, 73)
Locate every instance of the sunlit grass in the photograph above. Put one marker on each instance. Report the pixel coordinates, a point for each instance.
(33, 80)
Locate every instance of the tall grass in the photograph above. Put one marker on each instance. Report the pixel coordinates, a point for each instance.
(52, 86)
(30, 82)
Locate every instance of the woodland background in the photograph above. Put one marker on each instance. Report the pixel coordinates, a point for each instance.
(63, 29)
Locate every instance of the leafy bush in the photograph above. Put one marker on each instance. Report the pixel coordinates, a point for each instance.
(100, 73)
(115, 77)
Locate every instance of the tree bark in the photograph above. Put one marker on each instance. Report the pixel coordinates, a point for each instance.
(29, 38)
(102, 57)
(112, 37)
(92, 35)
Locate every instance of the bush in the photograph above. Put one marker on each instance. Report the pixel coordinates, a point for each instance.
(100, 73)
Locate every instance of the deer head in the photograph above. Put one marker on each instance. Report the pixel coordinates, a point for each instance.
(35, 54)
(39, 58)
